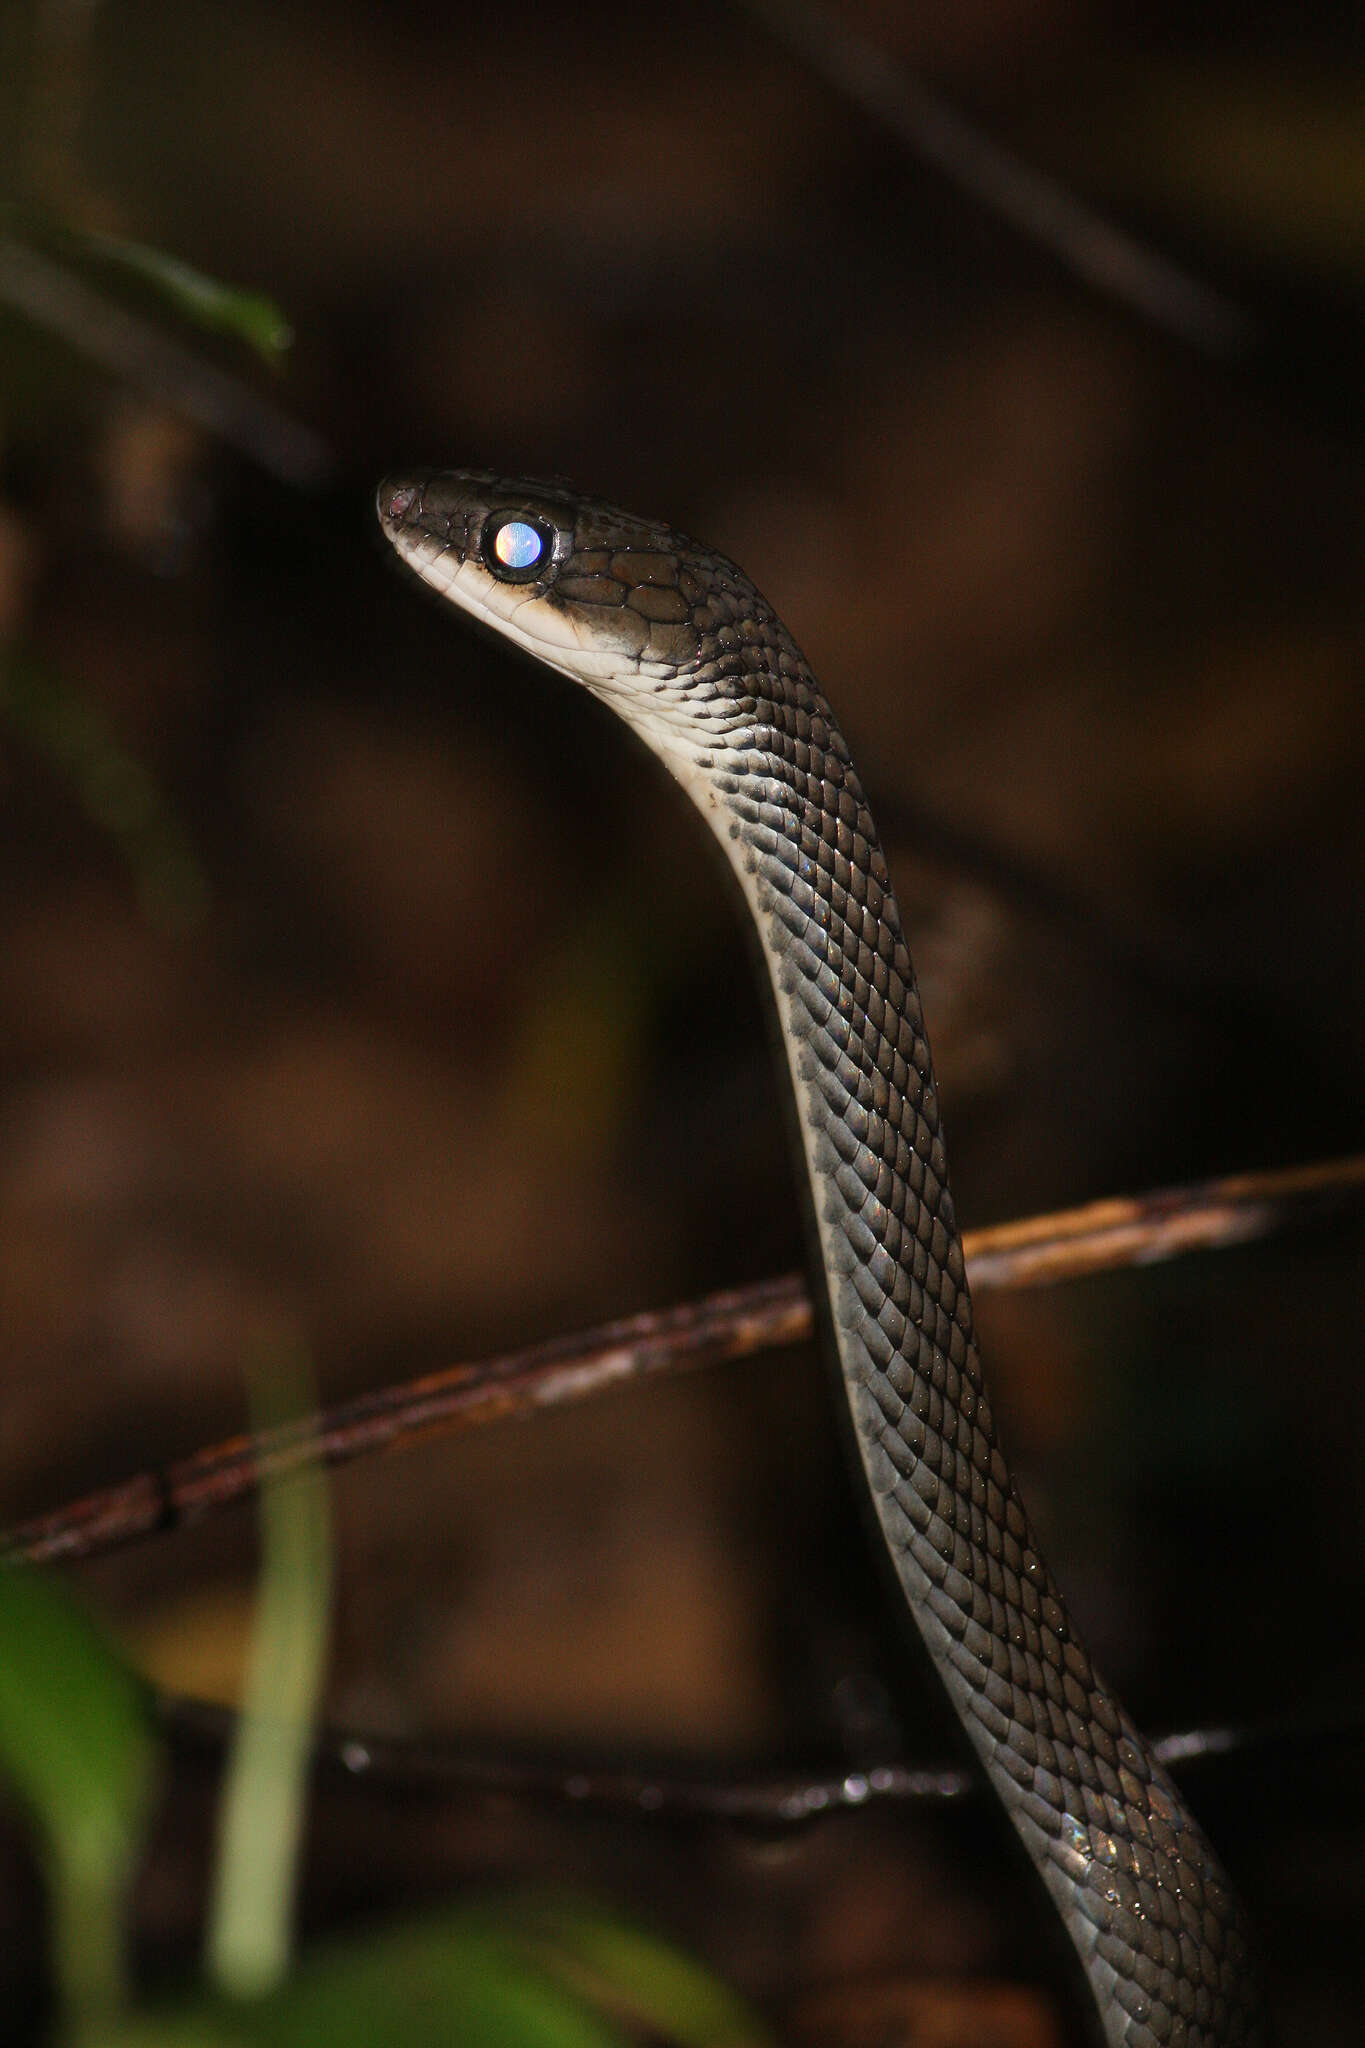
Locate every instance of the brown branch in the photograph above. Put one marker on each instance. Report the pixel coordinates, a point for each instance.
(562, 1370)
(1141, 1230)
(423, 1769)
(1100, 1237)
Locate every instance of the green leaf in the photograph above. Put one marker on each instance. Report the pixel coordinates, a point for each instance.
(437, 1985)
(76, 1744)
(648, 1982)
(499, 1976)
(454, 1981)
(222, 309)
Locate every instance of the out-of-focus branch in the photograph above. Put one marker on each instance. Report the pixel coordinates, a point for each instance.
(1100, 1237)
(1114, 262)
(764, 1800)
(1141, 1230)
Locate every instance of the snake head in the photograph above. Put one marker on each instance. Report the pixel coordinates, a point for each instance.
(587, 588)
(674, 637)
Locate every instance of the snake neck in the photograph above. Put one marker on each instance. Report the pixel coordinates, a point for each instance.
(1138, 1888)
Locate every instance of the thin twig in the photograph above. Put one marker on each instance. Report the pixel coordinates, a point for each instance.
(1038, 206)
(1099, 1237)
(422, 1769)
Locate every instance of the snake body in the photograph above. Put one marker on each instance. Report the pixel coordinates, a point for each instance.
(679, 643)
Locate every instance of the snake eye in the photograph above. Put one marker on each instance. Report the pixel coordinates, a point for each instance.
(517, 549)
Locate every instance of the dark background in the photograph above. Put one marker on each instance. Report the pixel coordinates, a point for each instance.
(463, 1048)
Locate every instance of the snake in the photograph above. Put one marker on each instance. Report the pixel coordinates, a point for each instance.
(676, 641)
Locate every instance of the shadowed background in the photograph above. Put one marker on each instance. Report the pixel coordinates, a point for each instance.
(426, 1026)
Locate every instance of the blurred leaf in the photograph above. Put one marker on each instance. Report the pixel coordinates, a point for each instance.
(501, 1977)
(116, 791)
(76, 1743)
(648, 1982)
(251, 1921)
(458, 1980)
(221, 309)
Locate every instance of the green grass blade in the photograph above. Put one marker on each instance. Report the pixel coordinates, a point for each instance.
(251, 1921)
(207, 303)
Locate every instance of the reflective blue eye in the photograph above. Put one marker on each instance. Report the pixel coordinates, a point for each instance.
(518, 545)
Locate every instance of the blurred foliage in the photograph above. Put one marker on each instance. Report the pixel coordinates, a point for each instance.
(76, 1740)
(245, 316)
(76, 1729)
(509, 1975)
(1276, 161)
(76, 1743)
(116, 791)
(583, 1047)
(172, 285)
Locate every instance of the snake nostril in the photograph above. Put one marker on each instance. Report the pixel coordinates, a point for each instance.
(397, 500)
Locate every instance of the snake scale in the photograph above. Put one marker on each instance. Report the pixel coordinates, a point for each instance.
(677, 641)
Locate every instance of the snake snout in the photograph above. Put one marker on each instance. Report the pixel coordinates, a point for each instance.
(397, 497)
